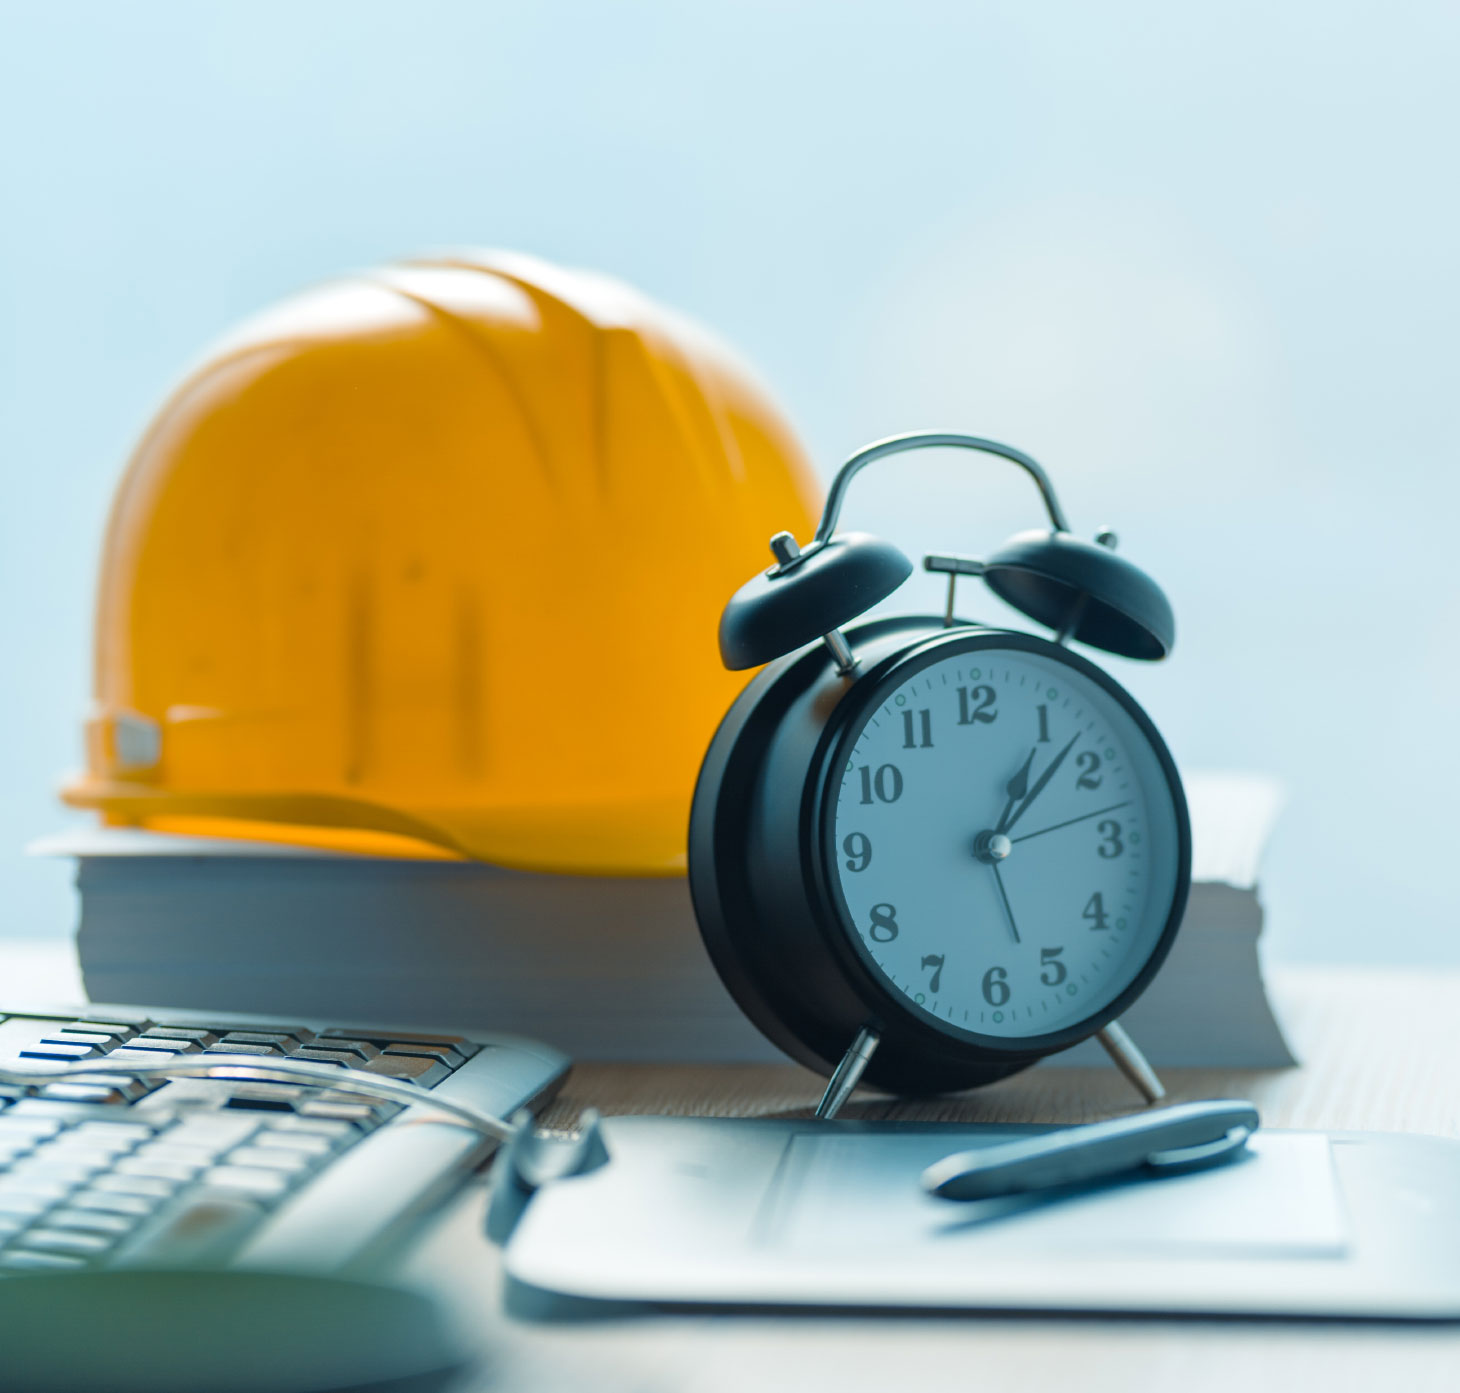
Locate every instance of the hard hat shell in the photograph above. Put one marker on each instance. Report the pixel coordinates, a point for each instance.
(438, 552)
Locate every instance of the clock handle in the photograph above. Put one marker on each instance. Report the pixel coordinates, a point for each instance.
(923, 440)
(1131, 1062)
(848, 1072)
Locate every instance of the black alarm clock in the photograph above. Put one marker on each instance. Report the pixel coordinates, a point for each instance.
(926, 852)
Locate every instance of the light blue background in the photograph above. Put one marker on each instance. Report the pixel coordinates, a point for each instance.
(1201, 260)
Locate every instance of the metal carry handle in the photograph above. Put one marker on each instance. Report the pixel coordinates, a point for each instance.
(927, 440)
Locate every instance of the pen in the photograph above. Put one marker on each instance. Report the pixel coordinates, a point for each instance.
(1189, 1136)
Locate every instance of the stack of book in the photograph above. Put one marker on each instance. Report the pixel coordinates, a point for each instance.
(600, 968)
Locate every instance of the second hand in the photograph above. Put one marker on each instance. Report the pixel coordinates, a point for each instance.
(1070, 822)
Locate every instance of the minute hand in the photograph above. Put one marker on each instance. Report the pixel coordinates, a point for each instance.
(1040, 782)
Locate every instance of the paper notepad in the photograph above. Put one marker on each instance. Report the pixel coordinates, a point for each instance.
(800, 1213)
(833, 1198)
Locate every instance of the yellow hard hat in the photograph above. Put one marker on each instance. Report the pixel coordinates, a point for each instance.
(433, 557)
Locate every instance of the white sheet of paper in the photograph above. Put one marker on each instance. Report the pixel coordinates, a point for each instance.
(1281, 1200)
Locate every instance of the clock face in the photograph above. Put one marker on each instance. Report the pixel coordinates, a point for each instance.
(1005, 840)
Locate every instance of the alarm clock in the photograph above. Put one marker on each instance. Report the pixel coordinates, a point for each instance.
(926, 852)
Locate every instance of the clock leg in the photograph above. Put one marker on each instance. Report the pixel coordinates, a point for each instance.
(849, 1072)
(1130, 1061)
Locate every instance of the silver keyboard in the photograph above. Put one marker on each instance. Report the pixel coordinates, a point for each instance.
(109, 1171)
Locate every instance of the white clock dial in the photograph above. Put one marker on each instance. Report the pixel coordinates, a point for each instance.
(1006, 843)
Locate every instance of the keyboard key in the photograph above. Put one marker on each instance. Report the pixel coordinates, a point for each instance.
(135, 1020)
(69, 1148)
(114, 1029)
(158, 1169)
(76, 1159)
(110, 1202)
(48, 1240)
(114, 1132)
(244, 1047)
(86, 1093)
(180, 1034)
(16, 1126)
(271, 1158)
(417, 1068)
(79, 1113)
(218, 1027)
(154, 1053)
(54, 1152)
(39, 1186)
(363, 1113)
(381, 1107)
(337, 1132)
(170, 1146)
(266, 1184)
(266, 1097)
(131, 1089)
(309, 1143)
(361, 1049)
(71, 1036)
(92, 1221)
(145, 1186)
(30, 1262)
(460, 1043)
(60, 1051)
(280, 1039)
(217, 1130)
(442, 1054)
(59, 1151)
(155, 1046)
(319, 1056)
(24, 1205)
(47, 1169)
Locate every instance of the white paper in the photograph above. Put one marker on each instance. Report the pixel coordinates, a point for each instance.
(858, 1195)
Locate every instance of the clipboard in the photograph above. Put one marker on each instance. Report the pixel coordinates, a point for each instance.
(764, 1213)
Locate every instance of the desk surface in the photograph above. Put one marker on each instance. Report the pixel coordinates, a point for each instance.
(1380, 1051)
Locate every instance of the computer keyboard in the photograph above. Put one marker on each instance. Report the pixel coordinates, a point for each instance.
(111, 1171)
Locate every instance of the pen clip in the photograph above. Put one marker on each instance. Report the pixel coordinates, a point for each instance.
(1190, 1158)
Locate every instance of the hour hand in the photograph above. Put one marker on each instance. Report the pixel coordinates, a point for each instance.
(1039, 784)
(1016, 789)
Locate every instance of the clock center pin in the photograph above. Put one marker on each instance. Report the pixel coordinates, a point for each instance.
(990, 847)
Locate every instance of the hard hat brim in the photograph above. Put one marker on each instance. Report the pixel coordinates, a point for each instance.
(581, 839)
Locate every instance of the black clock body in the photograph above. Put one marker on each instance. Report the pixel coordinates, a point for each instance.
(761, 864)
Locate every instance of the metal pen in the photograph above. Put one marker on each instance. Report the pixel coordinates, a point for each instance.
(1189, 1136)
